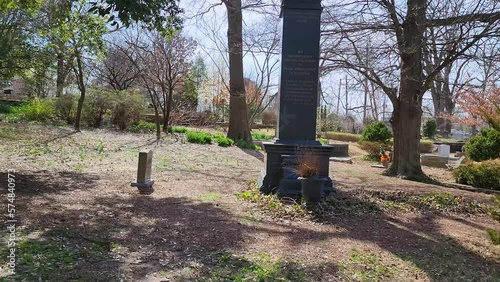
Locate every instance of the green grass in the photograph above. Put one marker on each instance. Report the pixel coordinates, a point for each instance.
(261, 268)
(6, 133)
(246, 145)
(38, 151)
(143, 127)
(271, 204)
(323, 141)
(199, 137)
(9, 107)
(223, 141)
(100, 147)
(340, 136)
(494, 236)
(175, 129)
(261, 136)
(209, 197)
(53, 257)
(79, 168)
(365, 266)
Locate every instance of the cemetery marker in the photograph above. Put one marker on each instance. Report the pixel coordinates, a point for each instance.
(144, 182)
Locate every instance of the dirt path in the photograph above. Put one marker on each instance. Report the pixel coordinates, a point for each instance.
(77, 210)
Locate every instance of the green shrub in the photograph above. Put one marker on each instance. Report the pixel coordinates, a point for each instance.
(224, 141)
(65, 107)
(143, 127)
(429, 128)
(98, 103)
(494, 236)
(376, 132)
(177, 129)
(345, 137)
(484, 146)
(373, 149)
(246, 145)
(261, 136)
(6, 107)
(323, 141)
(426, 146)
(495, 208)
(484, 175)
(128, 109)
(199, 137)
(494, 211)
(40, 110)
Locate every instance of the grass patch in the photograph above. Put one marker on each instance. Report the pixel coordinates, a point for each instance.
(175, 129)
(223, 141)
(55, 257)
(437, 202)
(246, 145)
(143, 127)
(340, 136)
(323, 141)
(199, 137)
(365, 266)
(494, 236)
(38, 151)
(261, 268)
(209, 197)
(79, 168)
(6, 133)
(271, 204)
(261, 136)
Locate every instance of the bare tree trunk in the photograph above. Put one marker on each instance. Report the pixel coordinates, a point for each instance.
(81, 86)
(407, 114)
(238, 112)
(157, 122)
(60, 75)
(169, 106)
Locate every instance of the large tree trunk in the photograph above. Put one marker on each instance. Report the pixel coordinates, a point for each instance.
(60, 75)
(238, 111)
(406, 122)
(169, 106)
(81, 86)
(407, 115)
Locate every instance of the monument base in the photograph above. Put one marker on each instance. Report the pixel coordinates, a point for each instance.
(281, 160)
(145, 187)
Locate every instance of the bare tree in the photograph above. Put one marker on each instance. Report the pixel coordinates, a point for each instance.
(397, 66)
(117, 72)
(262, 45)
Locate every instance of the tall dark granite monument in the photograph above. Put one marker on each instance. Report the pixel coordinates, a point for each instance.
(298, 101)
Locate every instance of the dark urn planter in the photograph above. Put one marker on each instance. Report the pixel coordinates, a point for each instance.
(312, 188)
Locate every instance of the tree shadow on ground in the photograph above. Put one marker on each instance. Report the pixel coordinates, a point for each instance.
(137, 237)
(417, 240)
(44, 182)
(65, 134)
(124, 237)
(256, 154)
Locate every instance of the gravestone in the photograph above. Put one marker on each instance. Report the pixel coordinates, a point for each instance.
(144, 182)
(298, 101)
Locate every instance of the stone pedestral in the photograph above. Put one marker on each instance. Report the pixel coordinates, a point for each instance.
(281, 160)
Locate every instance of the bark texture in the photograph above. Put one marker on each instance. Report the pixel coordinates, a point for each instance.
(238, 112)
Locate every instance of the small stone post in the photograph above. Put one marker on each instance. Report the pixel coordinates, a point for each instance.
(144, 182)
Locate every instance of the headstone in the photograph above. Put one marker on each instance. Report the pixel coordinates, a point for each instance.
(434, 161)
(298, 101)
(444, 151)
(299, 70)
(144, 182)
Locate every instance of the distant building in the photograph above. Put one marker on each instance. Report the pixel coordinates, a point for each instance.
(13, 90)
